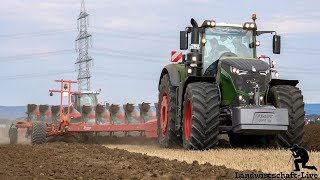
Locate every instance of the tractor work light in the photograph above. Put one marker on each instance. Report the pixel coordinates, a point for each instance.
(257, 43)
(209, 23)
(261, 98)
(194, 58)
(65, 86)
(240, 98)
(203, 40)
(273, 64)
(277, 75)
(250, 26)
(189, 71)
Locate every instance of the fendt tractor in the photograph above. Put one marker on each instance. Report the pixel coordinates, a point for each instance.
(221, 87)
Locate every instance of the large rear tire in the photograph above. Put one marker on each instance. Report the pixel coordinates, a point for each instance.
(201, 109)
(39, 132)
(166, 117)
(289, 97)
(13, 134)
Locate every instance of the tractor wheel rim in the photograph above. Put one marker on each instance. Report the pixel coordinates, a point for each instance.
(164, 118)
(187, 120)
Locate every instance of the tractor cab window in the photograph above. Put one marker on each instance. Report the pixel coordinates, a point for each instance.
(232, 41)
(88, 100)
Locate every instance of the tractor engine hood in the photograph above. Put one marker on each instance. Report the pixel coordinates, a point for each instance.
(249, 74)
(246, 64)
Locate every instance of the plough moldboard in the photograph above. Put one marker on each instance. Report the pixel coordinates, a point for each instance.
(59, 120)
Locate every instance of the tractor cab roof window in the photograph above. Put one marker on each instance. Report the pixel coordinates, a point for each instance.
(221, 40)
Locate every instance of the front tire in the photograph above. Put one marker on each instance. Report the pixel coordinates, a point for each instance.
(201, 109)
(166, 117)
(289, 97)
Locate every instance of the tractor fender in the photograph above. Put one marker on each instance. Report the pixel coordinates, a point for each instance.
(275, 82)
(174, 75)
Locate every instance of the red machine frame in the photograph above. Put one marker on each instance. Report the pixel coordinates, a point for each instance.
(65, 127)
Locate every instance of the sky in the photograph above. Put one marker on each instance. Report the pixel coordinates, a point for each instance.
(132, 41)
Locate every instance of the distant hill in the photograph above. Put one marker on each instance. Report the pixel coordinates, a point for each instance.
(312, 109)
(14, 112)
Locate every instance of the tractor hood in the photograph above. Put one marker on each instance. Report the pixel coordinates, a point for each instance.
(246, 64)
(250, 73)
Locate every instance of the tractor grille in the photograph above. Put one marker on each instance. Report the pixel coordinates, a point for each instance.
(245, 82)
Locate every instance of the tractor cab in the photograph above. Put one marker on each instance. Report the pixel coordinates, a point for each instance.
(225, 41)
(86, 98)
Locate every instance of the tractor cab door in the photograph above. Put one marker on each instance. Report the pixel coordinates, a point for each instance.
(74, 100)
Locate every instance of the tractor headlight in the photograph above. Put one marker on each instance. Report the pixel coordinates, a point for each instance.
(276, 75)
(264, 73)
(194, 58)
(261, 98)
(273, 64)
(209, 23)
(189, 71)
(250, 26)
(237, 71)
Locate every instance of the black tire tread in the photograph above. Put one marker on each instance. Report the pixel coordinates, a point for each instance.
(13, 134)
(39, 132)
(205, 102)
(289, 97)
(172, 139)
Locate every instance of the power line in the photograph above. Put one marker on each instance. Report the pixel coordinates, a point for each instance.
(35, 34)
(160, 34)
(32, 55)
(33, 75)
(130, 57)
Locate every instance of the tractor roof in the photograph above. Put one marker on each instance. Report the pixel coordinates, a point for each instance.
(220, 24)
(90, 92)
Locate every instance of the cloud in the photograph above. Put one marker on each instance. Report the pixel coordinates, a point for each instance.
(49, 14)
(292, 25)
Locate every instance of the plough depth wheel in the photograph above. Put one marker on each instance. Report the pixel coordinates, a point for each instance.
(39, 132)
(13, 134)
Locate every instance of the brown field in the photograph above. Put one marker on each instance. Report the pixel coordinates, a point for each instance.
(140, 158)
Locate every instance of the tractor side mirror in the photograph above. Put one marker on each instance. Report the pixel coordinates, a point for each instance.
(276, 45)
(183, 40)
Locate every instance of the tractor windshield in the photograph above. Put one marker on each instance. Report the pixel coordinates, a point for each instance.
(88, 100)
(233, 41)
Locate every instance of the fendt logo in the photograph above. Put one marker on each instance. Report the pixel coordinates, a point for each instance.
(254, 69)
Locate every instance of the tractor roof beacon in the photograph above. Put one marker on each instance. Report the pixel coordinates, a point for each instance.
(221, 86)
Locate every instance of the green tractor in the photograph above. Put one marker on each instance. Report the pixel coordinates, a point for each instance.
(222, 87)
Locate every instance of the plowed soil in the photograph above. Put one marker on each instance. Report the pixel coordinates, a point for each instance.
(312, 137)
(59, 160)
(85, 161)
